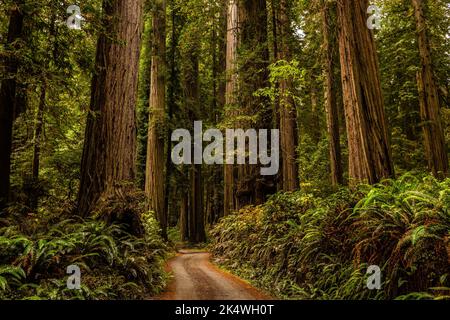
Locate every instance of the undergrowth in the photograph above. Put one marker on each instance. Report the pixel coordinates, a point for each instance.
(36, 250)
(311, 246)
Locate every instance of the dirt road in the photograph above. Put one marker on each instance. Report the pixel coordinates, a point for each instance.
(196, 278)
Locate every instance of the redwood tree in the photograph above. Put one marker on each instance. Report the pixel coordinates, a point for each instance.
(154, 182)
(435, 147)
(287, 108)
(331, 106)
(368, 141)
(230, 91)
(110, 137)
(7, 101)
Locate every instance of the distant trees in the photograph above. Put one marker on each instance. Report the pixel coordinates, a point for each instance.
(110, 137)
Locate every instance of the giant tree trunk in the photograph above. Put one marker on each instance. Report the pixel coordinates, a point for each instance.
(230, 99)
(154, 182)
(110, 141)
(287, 112)
(7, 103)
(331, 106)
(368, 141)
(252, 188)
(435, 147)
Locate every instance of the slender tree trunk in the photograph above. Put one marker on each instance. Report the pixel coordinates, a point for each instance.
(110, 140)
(230, 92)
(435, 146)
(331, 106)
(316, 130)
(184, 217)
(154, 184)
(368, 142)
(197, 223)
(287, 111)
(7, 103)
(171, 104)
(34, 199)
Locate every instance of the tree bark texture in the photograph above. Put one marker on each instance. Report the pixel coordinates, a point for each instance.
(110, 139)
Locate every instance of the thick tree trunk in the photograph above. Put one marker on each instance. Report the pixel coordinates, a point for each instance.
(287, 111)
(368, 141)
(230, 99)
(154, 184)
(7, 103)
(435, 146)
(331, 106)
(110, 143)
(251, 187)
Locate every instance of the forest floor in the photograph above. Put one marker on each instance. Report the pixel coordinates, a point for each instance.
(196, 278)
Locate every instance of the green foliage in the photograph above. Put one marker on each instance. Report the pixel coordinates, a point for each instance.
(114, 264)
(301, 245)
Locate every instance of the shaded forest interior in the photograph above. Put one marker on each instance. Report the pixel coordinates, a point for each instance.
(357, 91)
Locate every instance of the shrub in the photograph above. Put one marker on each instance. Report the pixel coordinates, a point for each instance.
(114, 263)
(300, 245)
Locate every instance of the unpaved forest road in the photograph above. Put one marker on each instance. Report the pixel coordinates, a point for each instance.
(196, 278)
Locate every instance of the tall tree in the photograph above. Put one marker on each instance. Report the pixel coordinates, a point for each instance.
(37, 145)
(287, 111)
(110, 137)
(191, 89)
(254, 111)
(331, 107)
(8, 99)
(154, 182)
(368, 141)
(230, 92)
(436, 150)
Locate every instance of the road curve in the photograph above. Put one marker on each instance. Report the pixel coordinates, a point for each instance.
(196, 278)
